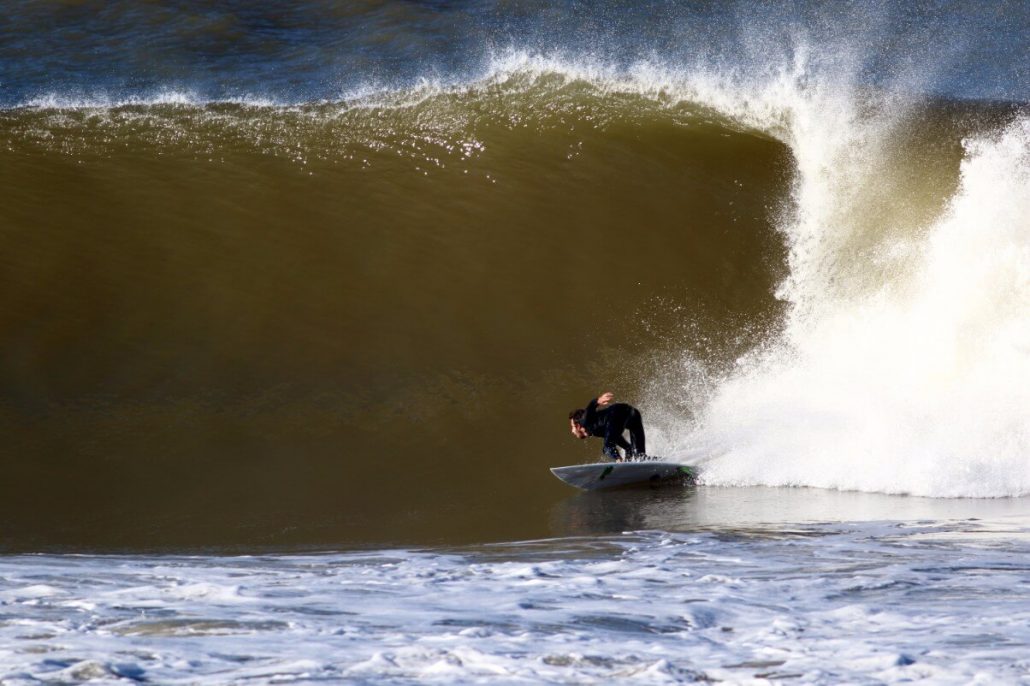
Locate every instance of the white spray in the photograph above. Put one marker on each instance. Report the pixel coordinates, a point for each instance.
(921, 386)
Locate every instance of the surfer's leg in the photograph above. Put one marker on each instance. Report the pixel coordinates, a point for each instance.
(625, 445)
(612, 443)
(635, 424)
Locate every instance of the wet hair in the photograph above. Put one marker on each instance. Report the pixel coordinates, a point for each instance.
(577, 415)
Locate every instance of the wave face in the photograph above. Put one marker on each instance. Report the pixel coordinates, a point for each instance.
(333, 316)
(332, 276)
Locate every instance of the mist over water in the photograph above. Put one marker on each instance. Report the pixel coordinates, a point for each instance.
(332, 276)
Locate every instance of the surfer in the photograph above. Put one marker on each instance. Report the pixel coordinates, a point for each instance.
(606, 420)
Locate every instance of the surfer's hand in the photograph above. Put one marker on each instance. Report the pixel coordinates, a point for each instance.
(606, 398)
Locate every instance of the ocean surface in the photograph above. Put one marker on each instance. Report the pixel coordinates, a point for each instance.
(294, 300)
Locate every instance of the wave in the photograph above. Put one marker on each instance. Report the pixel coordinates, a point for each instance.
(773, 262)
(254, 300)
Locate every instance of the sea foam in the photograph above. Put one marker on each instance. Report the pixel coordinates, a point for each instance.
(844, 603)
(919, 386)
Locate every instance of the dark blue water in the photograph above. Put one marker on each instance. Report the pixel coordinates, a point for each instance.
(320, 50)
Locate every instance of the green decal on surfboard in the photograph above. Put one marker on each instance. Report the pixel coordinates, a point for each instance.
(607, 471)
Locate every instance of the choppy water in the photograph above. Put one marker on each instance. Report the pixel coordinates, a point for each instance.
(319, 283)
(873, 603)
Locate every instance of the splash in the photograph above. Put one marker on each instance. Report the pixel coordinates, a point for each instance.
(920, 386)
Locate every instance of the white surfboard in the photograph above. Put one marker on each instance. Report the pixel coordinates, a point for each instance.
(591, 477)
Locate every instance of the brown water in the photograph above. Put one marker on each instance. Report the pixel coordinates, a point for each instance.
(364, 323)
(231, 324)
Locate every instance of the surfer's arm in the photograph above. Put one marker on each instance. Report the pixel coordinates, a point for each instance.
(590, 414)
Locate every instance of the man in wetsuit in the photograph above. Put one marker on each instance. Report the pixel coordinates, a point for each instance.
(605, 420)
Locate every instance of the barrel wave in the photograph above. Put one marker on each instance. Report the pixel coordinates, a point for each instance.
(235, 317)
(322, 312)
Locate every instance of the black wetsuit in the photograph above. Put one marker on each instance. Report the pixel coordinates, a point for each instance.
(609, 423)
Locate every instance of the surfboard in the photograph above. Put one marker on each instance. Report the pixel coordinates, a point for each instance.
(591, 477)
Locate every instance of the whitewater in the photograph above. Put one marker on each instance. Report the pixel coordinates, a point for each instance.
(943, 603)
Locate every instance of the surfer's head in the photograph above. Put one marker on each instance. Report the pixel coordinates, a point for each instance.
(574, 426)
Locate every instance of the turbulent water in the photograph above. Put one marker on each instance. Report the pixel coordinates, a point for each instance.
(328, 276)
(918, 603)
